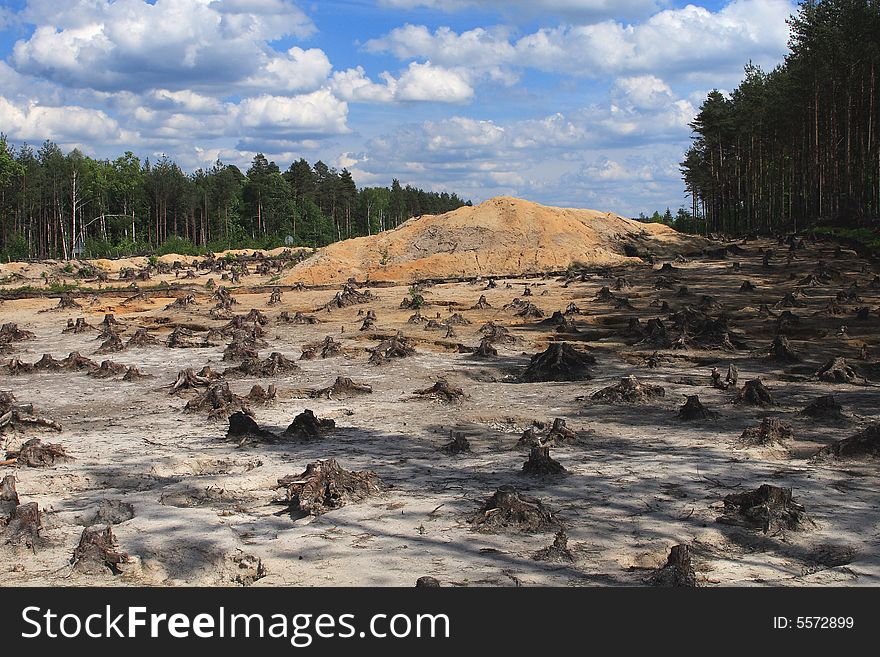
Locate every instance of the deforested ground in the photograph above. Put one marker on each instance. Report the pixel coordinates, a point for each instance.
(699, 404)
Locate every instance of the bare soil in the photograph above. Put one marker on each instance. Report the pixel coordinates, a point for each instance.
(201, 509)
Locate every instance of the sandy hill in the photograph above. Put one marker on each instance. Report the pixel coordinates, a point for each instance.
(501, 237)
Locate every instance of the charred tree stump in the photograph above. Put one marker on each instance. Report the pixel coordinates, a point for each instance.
(396, 347)
(182, 302)
(341, 388)
(630, 390)
(678, 570)
(426, 581)
(187, 379)
(486, 350)
(8, 497)
(825, 407)
(770, 432)
(781, 351)
(260, 395)
(275, 297)
(458, 444)
(716, 380)
(218, 400)
(837, 370)
(243, 428)
(693, 409)
(863, 443)
(23, 528)
(559, 362)
(482, 304)
(558, 552)
(97, 552)
(770, 508)
(80, 326)
(141, 339)
(308, 427)
(540, 463)
(325, 486)
(755, 393)
(34, 453)
(112, 344)
(509, 510)
(442, 391)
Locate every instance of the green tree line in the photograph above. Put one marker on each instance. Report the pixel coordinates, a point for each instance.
(800, 143)
(57, 205)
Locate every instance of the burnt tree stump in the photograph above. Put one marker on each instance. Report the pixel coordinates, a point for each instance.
(678, 570)
(770, 508)
(97, 552)
(540, 463)
(325, 486)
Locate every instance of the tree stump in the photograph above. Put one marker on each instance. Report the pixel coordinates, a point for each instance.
(629, 390)
(558, 552)
(770, 432)
(349, 296)
(485, 350)
(218, 400)
(509, 510)
(78, 363)
(458, 444)
(79, 326)
(141, 339)
(825, 407)
(442, 391)
(395, 347)
(275, 297)
(559, 362)
(781, 351)
(426, 581)
(656, 335)
(259, 395)
(182, 302)
(325, 486)
(34, 453)
(837, 370)
(97, 552)
(23, 528)
(693, 409)
(747, 287)
(540, 463)
(112, 344)
(341, 388)
(8, 497)
(755, 393)
(770, 508)
(243, 428)
(863, 443)
(308, 427)
(188, 379)
(482, 304)
(48, 364)
(678, 570)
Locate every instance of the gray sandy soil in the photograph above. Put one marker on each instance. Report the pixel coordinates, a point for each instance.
(639, 480)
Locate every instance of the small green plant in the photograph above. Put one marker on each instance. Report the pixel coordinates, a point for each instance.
(152, 260)
(416, 299)
(384, 260)
(68, 268)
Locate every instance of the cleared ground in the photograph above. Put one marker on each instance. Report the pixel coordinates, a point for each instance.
(638, 481)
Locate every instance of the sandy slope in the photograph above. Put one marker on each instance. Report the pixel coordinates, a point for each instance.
(502, 236)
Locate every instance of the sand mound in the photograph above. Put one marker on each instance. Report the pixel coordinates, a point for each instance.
(501, 237)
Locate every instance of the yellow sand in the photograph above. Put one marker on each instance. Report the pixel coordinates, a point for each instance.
(502, 237)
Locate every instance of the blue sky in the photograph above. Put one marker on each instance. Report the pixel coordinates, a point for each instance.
(580, 103)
